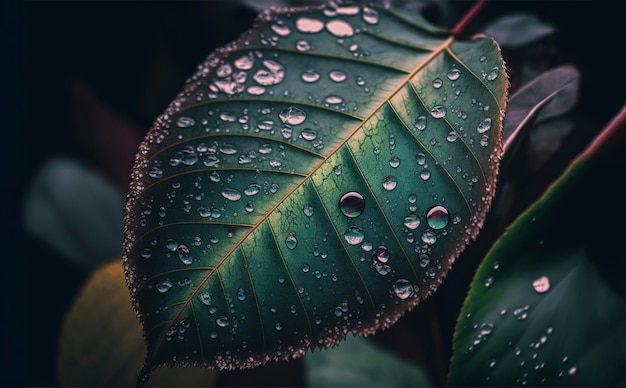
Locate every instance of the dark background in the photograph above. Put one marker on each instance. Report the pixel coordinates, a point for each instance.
(134, 56)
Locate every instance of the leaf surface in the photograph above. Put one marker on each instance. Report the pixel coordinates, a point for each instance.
(314, 178)
(547, 306)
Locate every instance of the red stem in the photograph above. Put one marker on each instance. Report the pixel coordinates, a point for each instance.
(612, 139)
(460, 26)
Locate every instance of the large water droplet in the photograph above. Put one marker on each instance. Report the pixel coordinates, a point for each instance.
(353, 235)
(310, 76)
(292, 115)
(429, 237)
(381, 268)
(228, 149)
(291, 240)
(252, 189)
(340, 28)
(370, 15)
(390, 182)
(273, 74)
(452, 136)
(438, 217)
(222, 321)
(484, 125)
(412, 221)
(351, 204)
(307, 210)
(381, 254)
(454, 74)
(244, 63)
(303, 45)
(493, 74)
(438, 111)
(333, 100)
(394, 162)
(184, 122)
(183, 254)
(542, 284)
(337, 76)
(281, 29)
(171, 245)
(205, 298)
(164, 286)
(309, 25)
(437, 83)
(403, 289)
(231, 194)
(309, 134)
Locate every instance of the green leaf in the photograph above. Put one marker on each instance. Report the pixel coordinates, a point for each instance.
(359, 362)
(101, 343)
(547, 305)
(283, 199)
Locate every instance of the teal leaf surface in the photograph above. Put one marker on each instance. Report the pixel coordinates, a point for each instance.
(316, 177)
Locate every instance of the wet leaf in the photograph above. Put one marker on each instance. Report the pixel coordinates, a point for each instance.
(101, 341)
(547, 306)
(317, 177)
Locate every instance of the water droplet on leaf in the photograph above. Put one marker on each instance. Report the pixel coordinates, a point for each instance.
(403, 289)
(438, 217)
(291, 240)
(353, 235)
(351, 204)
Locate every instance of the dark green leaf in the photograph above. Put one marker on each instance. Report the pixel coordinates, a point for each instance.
(543, 308)
(518, 30)
(283, 200)
(359, 362)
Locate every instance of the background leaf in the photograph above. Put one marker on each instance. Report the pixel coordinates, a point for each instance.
(358, 362)
(315, 178)
(519, 29)
(547, 305)
(76, 211)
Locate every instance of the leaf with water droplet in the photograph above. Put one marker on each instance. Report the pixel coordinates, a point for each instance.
(556, 301)
(315, 131)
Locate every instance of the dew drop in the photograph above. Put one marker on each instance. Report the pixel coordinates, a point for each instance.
(228, 149)
(411, 221)
(420, 158)
(292, 115)
(222, 321)
(279, 326)
(420, 123)
(183, 254)
(310, 76)
(438, 217)
(484, 125)
(185, 122)
(412, 198)
(265, 149)
(452, 136)
(303, 45)
(291, 240)
(424, 260)
(205, 298)
(309, 134)
(309, 25)
(425, 175)
(403, 288)
(394, 162)
(244, 63)
(353, 235)
(249, 207)
(171, 245)
(454, 74)
(307, 210)
(337, 76)
(370, 15)
(241, 294)
(146, 253)
(306, 268)
(381, 268)
(493, 73)
(164, 286)
(252, 189)
(351, 204)
(542, 284)
(437, 83)
(438, 111)
(231, 194)
(281, 30)
(286, 131)
(429, 237)
(484, 140)
(390, 182)
(366, 246)
(333, 100)
(381, 254)
(340, 28)
(256, 90)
